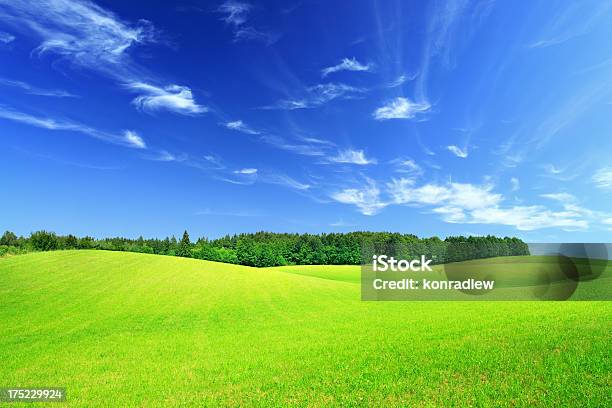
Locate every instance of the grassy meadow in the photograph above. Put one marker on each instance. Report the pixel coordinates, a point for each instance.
(127, 329)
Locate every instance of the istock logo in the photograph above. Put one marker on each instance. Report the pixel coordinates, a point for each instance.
(383, 263)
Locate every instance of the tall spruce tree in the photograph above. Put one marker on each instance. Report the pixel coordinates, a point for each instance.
(184, 247)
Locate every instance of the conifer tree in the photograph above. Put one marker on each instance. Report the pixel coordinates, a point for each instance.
(184, 248)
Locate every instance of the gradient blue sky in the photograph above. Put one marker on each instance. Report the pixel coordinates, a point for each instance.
(433, 118)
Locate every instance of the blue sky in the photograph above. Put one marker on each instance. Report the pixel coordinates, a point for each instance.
(433, 118)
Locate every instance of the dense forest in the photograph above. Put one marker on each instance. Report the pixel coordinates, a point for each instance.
(274, 249)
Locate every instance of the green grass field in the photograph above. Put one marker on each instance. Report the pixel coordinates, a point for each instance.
(125, 329)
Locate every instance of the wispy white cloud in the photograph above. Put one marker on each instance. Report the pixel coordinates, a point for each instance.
(247, 171)
(468, 204)
(236, 14)
(323, 93)
(603, 178)
(46, 123)
(558, 120)
(564, 198)
(342, 223)
(215, 166)
(549, 42)
(464, 196)
(566, 115)
(512, 160)
(126, 138)
(347, 64)
(252, 34)
(89, 36)
(400, 108)
(166, 156)
(317, 141)
(81, 32)
(245, 176)
(214, 161)
(243, 181)
(290, 104)
(444, 36)
(240, 126)
(174, 98)
(457, 151)
(286, 181)
(134, 139)
(528, 218)
(350, 156)
(551, 169)
(33, 90)
(515, 184)
(305, 149)
(574, 20)
(400, 80)
(6, 38)
(558, 173)
(319, 95)
(432, 164)
(407, 166)
(366, 199)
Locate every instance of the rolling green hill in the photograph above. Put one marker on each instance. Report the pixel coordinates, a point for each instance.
(127, 329)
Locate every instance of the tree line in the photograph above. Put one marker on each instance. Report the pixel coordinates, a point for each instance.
(262, 249)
